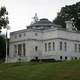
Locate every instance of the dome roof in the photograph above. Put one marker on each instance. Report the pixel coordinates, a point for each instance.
(42, 22)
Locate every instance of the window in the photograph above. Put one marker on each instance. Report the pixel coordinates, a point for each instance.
(65, 46)
(75, 47)
(75, 58)
(45, 46)
(65, 57)
(53, 45)
(60, 46)
(24, 49)
(36, 48)
(49, 46)
(19, 49)
(79, 47)
(60, 57)
(36, 58)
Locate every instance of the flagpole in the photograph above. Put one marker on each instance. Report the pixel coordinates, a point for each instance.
(8, 27)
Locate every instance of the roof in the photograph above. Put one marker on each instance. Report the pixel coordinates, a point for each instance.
(42, 22)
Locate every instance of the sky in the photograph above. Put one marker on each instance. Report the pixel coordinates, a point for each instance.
(21, 12)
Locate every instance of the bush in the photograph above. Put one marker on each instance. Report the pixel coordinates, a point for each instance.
(48, 60)
(35, 60)
(43, 60)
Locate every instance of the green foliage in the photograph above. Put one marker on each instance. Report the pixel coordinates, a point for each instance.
(2, 47)
(69, 12)
(3, 18)
(69, 70)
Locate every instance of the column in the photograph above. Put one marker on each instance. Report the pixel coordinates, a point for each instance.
(17, 51)
(22, 50)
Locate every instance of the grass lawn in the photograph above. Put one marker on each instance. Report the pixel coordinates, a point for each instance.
(69, 70)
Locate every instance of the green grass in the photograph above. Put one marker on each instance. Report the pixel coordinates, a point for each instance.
(69, 70)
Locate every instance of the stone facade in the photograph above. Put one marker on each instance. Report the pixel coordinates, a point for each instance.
(44, 40)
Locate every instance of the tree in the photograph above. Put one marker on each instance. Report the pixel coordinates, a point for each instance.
(69, 12)
(3, 18)
(3, 24)
(2, 47)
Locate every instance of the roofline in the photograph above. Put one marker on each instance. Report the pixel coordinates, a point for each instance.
(18, 31)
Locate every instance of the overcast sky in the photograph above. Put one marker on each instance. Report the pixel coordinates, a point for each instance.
(22, 11)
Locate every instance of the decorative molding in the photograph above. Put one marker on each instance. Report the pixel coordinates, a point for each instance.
(44, 40)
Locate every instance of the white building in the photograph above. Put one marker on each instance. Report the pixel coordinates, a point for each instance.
(45, 40)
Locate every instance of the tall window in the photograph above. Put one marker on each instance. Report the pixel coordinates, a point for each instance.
(53, 45)
(65, 46)
(75, 47)
(24, 49)
(49, 46)
(36, 48)
(19, 49)
(60, 46)
(45, 46)
(79, 47)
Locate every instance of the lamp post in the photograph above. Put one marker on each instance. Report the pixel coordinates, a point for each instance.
(7, 28)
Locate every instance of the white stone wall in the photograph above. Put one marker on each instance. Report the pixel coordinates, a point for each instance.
(57, 53)
(39, 38)
(68, 35)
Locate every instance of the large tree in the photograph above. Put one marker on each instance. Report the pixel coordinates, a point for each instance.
(3, 18)
(2, 48)
(3, 24)
(69, 12)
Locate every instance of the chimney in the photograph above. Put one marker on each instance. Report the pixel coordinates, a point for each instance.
(69, 25)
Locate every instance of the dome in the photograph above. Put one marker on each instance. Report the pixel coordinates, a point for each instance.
(42, 22)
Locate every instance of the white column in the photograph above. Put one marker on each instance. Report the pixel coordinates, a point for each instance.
(17, 50)
(22, 49)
